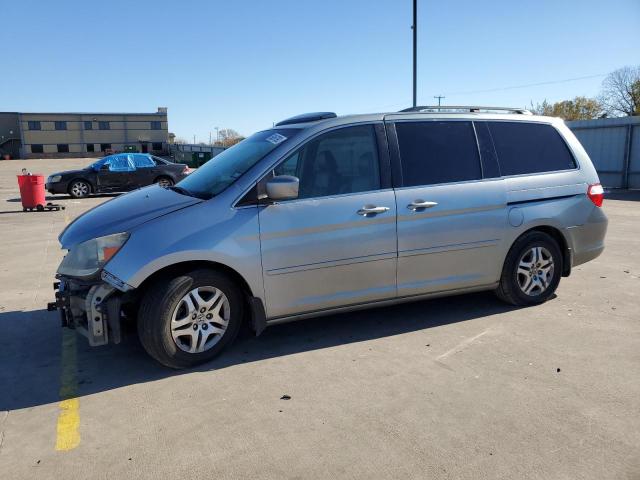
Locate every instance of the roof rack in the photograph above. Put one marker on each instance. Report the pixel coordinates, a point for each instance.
(466, 108)
(307, 117)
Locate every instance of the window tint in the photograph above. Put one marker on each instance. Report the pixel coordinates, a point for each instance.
(156, 125)
(529, 148)
(34, 125)
(142, 161)
(90, 147)
(63, 148)
(104, 126)
(437, 152)
(88, 125)
(61, 125)
(342, 161)
(121, 163)
(35, 148)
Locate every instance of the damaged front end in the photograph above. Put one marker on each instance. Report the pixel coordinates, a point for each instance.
(88, 298)
(93, 308)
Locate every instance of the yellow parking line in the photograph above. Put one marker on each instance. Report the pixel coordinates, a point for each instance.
(68, 430)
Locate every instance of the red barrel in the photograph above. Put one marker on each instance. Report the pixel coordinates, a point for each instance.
(32, 191)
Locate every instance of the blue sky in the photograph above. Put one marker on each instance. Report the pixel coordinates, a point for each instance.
(245, 64)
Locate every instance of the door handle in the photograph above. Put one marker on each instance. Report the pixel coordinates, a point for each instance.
(420, 204)
(372, 210)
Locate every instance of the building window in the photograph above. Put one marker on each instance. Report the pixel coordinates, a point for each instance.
(61, 125)
(91, 147)
(34, 125)
(156, 147)
(105, 146)
(104, 126)
(88, 125)
(63, 148)
(156, 125)
(37, 149)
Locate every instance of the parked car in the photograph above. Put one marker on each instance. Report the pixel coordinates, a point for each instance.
(117, 173)
(326, 214)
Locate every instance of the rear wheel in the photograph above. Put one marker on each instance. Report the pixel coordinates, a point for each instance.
(189, 319)
(79, 189)
(532, 270)
(164, 181)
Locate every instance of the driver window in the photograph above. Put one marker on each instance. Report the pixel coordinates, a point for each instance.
(121, 163)
(341, 161)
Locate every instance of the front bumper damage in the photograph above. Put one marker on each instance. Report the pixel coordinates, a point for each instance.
(92, 307)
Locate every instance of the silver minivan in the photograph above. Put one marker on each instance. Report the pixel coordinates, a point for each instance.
(324, 214)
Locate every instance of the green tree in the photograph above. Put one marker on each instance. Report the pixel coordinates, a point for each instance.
(580, 108)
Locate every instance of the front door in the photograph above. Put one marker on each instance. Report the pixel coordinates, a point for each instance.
(145, 148)
(334, 245)
(118, 174)
(451, 214)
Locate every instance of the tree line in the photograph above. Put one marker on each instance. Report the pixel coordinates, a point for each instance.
(618, 97)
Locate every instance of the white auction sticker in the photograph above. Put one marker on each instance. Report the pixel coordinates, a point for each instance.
(276, 138)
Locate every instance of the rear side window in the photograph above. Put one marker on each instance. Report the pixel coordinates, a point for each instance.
(529, 148)
(142, 161)
(437, 152)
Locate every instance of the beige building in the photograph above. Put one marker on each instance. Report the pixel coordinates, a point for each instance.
(51, 135)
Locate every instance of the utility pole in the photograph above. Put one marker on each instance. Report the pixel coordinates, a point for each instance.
(209, 137)
(439, 97)
(217, 134)
(194, 139)
(414, 27)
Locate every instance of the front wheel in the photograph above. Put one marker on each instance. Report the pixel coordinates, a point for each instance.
(79, 189)
(532, 270)
(189, 319)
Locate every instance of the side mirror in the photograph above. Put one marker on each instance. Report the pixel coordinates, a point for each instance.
(104, 167)
(283, 187)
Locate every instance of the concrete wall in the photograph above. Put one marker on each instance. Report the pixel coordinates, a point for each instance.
(614, 147)
(128, 129)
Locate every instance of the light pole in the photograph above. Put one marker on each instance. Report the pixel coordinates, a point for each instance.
(414, 27)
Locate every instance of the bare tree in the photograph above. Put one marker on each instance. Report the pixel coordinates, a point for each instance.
(620, 95)
(228, 137)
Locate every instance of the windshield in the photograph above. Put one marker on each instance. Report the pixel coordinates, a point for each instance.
(225, 168)
(98, 164)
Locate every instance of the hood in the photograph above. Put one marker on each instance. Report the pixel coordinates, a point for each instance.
(69, 172)
(123, 213)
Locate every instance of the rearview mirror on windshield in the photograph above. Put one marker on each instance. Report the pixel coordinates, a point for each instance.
(283, 187)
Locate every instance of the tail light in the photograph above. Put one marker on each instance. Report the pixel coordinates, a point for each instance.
(596, 194)
(187, 170)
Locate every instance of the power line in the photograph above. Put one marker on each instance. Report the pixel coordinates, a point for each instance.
(552, 82)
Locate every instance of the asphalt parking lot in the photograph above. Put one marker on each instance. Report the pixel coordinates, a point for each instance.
(463, 387)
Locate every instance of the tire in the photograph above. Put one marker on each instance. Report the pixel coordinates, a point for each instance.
(164, 181)
(166, 324)
(79, 189)
(533, 248)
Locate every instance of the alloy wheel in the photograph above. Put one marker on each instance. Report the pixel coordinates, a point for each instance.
(80, 189)
(200, 319)
(535, 271)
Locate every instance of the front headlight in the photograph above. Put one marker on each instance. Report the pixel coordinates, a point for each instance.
(87, 258)
(54, 178)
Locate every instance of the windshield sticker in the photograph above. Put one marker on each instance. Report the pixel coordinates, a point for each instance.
(276, 138)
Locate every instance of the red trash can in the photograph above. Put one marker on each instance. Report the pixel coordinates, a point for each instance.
(32, 191)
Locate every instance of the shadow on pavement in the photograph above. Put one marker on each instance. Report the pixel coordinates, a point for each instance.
(30, 346)
(50, 198)
(624, 195)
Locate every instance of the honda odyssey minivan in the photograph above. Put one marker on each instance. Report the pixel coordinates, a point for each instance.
(323, 214)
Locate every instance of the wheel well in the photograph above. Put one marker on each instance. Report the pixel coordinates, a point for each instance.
(91, 188)
(562, 243)
(168, 177)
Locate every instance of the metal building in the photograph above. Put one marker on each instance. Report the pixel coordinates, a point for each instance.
(614, 147)
(55, 135)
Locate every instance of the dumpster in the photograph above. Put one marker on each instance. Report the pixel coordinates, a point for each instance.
(32, 192)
